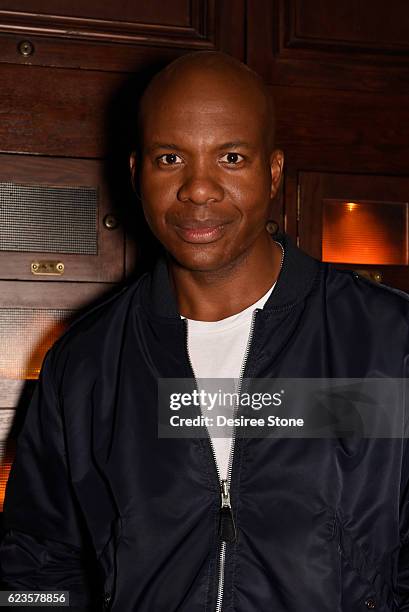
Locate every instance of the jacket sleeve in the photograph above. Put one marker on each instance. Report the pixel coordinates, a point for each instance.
(403, 560)
(45, 545)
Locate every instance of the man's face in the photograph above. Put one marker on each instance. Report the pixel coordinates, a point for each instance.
(206, 174)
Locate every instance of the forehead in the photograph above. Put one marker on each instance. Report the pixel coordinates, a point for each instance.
(204, 107)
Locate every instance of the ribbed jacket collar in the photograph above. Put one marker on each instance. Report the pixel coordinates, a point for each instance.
(296, 279)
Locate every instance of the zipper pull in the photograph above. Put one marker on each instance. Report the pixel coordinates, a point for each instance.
(227, 529)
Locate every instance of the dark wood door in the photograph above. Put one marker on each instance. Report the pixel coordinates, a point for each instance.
(358, 222)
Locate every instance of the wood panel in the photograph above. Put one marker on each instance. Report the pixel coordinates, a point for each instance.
(339, 72)
(342, 130)
(93, 35)
(95, 20)
(372, 25)
(279, 49)
(82, 114)
(155, 12)
(107, 264)
(316, 186)
(55, 112)
(90, 55)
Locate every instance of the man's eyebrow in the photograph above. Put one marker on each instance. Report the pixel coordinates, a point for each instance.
(163, 145)
(235, 144)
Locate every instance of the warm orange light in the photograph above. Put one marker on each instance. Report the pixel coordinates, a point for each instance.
(25, 337)
(7, 454)
(377, 232)
(5, 467)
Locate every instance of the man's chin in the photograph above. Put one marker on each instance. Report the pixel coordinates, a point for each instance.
(198, 261)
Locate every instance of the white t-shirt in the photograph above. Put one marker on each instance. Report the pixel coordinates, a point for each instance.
(216, 350)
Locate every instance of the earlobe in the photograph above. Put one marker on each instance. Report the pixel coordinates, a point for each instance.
(133, 172)
(132, 167)
(276, 167)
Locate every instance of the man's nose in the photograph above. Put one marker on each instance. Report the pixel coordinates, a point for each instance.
(200, 187)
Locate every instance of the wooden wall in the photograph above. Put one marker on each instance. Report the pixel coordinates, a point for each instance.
(70, 228)
(339, 73)
(71, 72)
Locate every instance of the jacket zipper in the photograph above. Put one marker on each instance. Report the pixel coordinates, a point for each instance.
(227, 531)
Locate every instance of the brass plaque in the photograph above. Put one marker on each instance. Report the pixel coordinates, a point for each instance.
(55, 268)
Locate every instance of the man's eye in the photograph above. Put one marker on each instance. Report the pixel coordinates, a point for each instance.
(232, 158)
(170, 159)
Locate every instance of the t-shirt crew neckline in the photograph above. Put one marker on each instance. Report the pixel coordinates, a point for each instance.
(235, 320)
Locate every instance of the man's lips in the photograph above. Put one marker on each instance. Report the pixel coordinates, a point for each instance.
(201, 231)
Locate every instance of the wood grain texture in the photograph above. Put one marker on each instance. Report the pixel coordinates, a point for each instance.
(55, 112)
(315, 186)
(88, 55)
(374, 25)
(273, 52)
(95, 20)
(108, 264)
(152, 12)
(342, 130)
(95, 36)
(80, 114)
(340, 76)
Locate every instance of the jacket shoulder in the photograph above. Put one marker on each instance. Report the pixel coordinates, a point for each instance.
(366, 283)
(365, 294)
(385, 289)
(98, 325)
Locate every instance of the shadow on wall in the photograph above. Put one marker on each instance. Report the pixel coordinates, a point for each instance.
(122, 140)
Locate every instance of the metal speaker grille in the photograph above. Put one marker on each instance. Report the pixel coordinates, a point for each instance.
(25, 336)
(7, 451)
(41, 218)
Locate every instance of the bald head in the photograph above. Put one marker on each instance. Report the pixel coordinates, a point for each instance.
(207, 169)
(210, 72)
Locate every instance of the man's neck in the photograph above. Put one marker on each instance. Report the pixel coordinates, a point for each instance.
(216, 294)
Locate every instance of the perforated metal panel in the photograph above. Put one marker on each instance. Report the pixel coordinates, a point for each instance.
(43, 218)
(7, 451)
(25, 336)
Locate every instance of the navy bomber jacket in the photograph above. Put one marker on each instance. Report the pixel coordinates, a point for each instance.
(321, 525)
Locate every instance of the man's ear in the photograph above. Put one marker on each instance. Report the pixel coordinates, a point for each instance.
(276, 168)
(132, 167)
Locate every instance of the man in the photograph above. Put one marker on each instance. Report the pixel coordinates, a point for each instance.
(192, 524)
